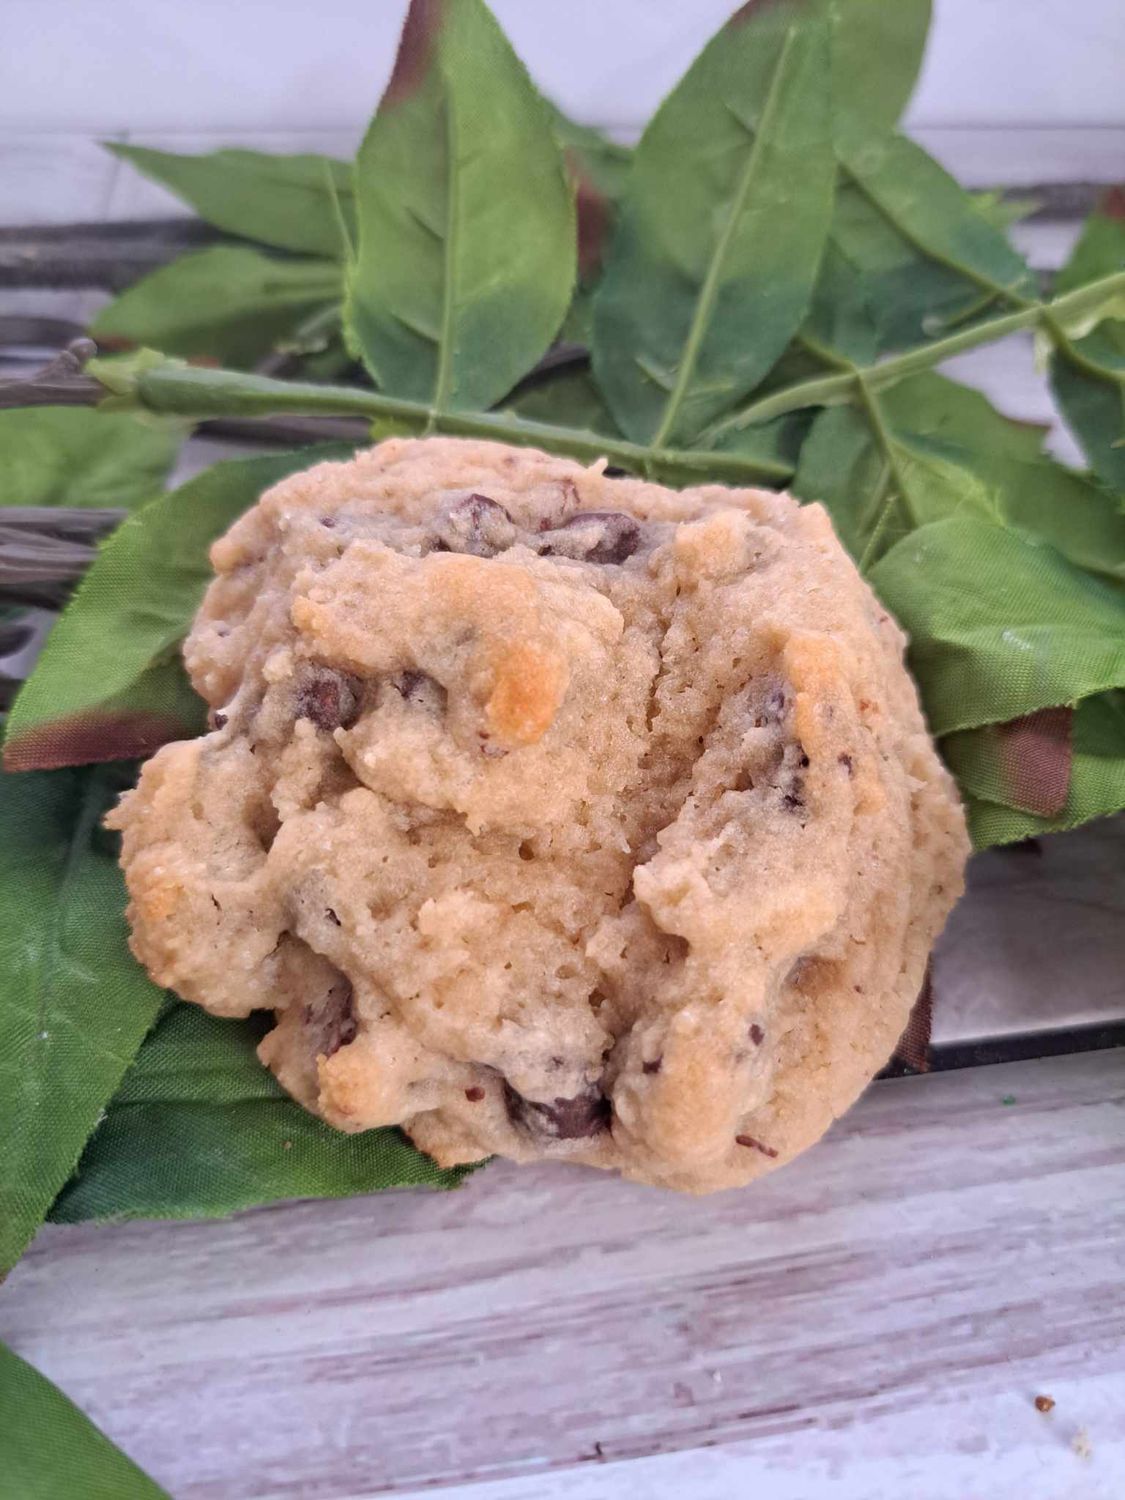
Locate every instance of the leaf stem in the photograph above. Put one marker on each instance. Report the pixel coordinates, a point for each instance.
(171, 387)
(829, 390)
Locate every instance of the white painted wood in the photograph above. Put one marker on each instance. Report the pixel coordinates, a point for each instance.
(872, 1322)
(1027, 154)
(1038, 942)
(158, 65)
(53, 179)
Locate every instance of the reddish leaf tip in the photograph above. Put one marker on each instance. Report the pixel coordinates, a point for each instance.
(751, 9)
(415, 48)
(1035, 755)
(593, 212)
(88, 739)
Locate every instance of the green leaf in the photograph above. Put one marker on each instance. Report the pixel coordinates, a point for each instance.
(930, 448)
(70, 455)
(467, 249)
(911, 254)
(569, 398)
(108, 684)
(1000, 624)
(230, 303)
(1097, 775)
(1088, 379)
(592, 156)
(74, 1004)
(285, 201)
(1003, 211)
(876, 54)
(722, 227)
(200, 1128)
(52, 1451)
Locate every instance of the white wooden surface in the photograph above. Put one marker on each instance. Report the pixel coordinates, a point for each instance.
(874, 1322)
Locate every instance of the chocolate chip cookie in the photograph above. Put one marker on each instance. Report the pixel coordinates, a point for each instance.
(553, 814)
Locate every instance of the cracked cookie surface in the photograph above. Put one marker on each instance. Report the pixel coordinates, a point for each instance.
(554, 814)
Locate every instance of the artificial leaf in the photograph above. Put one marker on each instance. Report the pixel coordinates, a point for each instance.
(51, 1450)
(598, 169)
(722, 227)
(876, 54)
(929, 448)
(200, 1128)
(603, 163)
(1088, 378)
(290, 202)
(108, 683)
(74, 1004)
(231, 304)
(467, 248)
(1003, 210)
(910, 254)
(1097, 775)
(569, 398)
(1000, 623)
(927, 207)
(73, 456)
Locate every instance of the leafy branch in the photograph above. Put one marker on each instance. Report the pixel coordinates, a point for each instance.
(849, 384)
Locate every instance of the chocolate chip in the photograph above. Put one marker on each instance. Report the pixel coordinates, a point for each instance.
(654, 1066)
(332, 917)
(328, 521)
(792, 802)
(218, 720)
(474, 524)
(846, 762)
(422, 690)
(611, 471)
(475, 1094)
(586, 1114)
(598, 536)
(757, 1035)
(331, 1022)
(329, 698)
(748, 1140)
(772, 710)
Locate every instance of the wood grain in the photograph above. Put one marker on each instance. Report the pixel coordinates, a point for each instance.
(891, 1302)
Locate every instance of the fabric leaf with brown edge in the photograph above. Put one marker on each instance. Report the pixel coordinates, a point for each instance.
(466, 257)
(981, 761)
(109, 684)
(74, 1004)
(722, 226)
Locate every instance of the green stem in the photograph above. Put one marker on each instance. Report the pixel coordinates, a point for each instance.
(183, 390)
(828, 390)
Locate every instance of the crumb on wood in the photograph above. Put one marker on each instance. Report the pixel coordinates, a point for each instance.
(1080, 1442)
(1044, 1403)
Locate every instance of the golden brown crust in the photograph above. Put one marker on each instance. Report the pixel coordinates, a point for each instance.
(553, 814)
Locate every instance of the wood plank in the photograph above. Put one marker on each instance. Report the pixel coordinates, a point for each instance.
(900, 1294)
